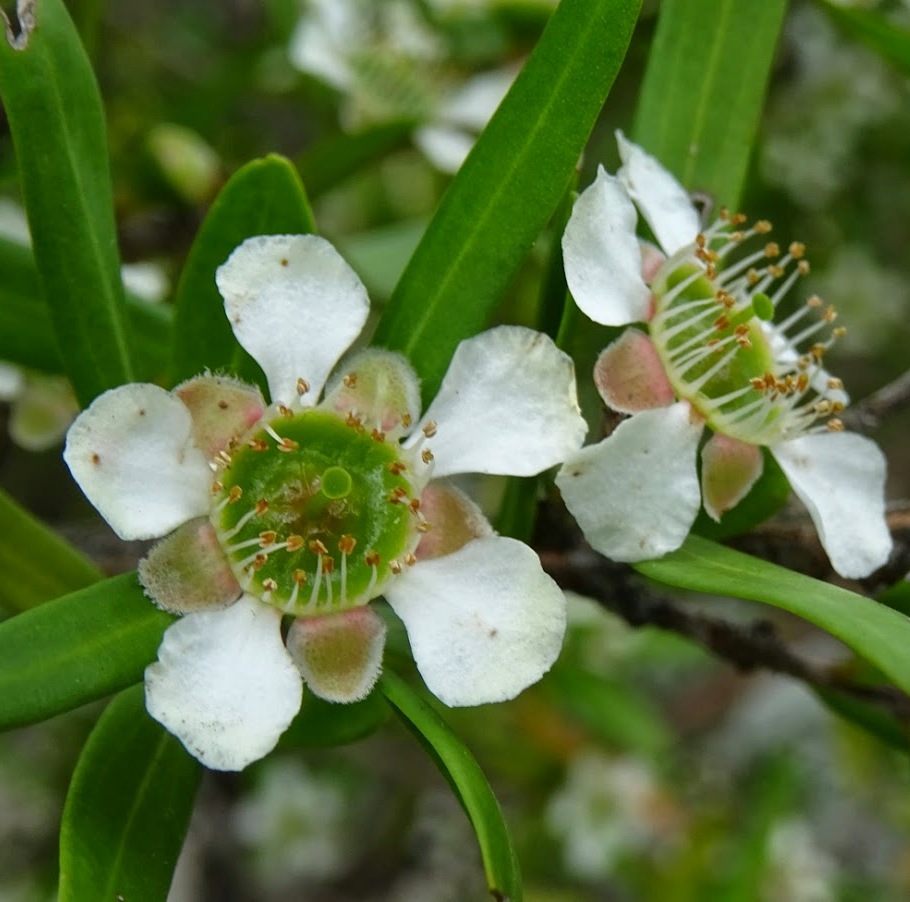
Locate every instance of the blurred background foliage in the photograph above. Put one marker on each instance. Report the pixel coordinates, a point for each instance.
(640, 768)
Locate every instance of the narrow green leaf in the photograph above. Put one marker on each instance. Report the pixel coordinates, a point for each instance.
(509, 186)
(703, 89)
(127, 809)
(265, 197)
(76, 649)
(26, 331)
(57, 122)
(337, 157)
(36, 565)
(888, 40)
(468, 782)
(875, 632)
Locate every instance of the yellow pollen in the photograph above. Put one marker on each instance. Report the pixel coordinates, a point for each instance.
(829, 315)
(700, 240)
(814, 301)
(772, 249)
(353, 421)
(762, 227)
(803, 267)
(775, 271)
(722, 322)
(753, 277)
(797, 250)
(839, 332)
(294, 543)
(299, 577)
(235, 494)
(738, 219)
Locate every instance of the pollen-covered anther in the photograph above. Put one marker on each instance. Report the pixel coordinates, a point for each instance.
(261, 506)
(722, 322)
(406, 420)
(426, 455)
(350, 380)
(829, 315)
(328, 564)
(235, 494)
(318, 547)
(285, 411)
(268, 537)
(775, 271)
(429, 429)
(257, 444)
(299, 577)
(377, 435)
(797, 250)
(410, 558)
(822, 407)
(835, 425)
(294, 543)
(757, 383)
(742, 336)
(354, 421)
(424, 526)
(269, 585)
(762, 227)
(817, 351)
(772, 249)
(725, 298)
(372, 559)
(837, 406)
(395, 567)
(346, 544)
(259, 561)
(834, 383)
(217, 487)
(302, 387)
(414, 505)
(738, 219)
(753, 277)
(396, 468)
(398, 495)
(288, 444)
(814, 302)
(803, 267)
(700, 240)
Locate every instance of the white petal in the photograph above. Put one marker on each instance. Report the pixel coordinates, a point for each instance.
(840, 477)
(132, 453)
(663, 202)
(224, 684)
(635, 495)
(12, 381)
(473, 104)
(602, 257)
(326, 32)
(295, 305)
(507, 405)
(43, 412)
(445, 146)
(484, 623)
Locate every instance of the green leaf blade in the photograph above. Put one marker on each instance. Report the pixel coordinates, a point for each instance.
(265, 197)
(874, 631)
(76, 649)
(704, 87)
(56, 118)
(467, 780)
(127, 809)
(509, 186)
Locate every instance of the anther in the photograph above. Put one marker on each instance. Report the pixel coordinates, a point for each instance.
(257, 444)
(772, 249)
(269, 584)
(835, 384)
(318, 547)
(814, 301)
(762, 227)
(299, 577)
(410, 559)
(835, 425)
(285, 411)
(839, 332)
(377, 435)
(328, 564)
(424, 526)
(395, 567)
(302, 386)
(829, 315)
(429, 429)
(371, 559)
(406, 419)
(353, 421)
(217, 487)
(426, 455)
(414, 505)
(294, 543)
(350, 380)
(396, 468)
(235, 494)
(288, 444)
(259, 561)
(261, 506)
(803, 267)
(346, 544)
(268, 537)
(797, 250)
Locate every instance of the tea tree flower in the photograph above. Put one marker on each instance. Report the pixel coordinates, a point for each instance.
(307, 509)
(711, 358)
(388, 64)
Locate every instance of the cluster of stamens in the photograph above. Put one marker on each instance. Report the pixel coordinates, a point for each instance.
(324, 522)
(712, 330)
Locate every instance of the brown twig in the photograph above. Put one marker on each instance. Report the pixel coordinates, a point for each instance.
(869, 413)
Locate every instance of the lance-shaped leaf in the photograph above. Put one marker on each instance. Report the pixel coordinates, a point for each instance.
(127, 809)
(889, 40)
(265, 197)
(36, 565)
(57, 122)
(703, 90)
(465, 777)
(875, 632)
(76, 649)
(509, 186)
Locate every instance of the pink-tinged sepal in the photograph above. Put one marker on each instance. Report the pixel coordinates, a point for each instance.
(339, 655)
(380, 389)
(221, 408)
(187, 571)
(729, 469)
(630, 376)
(449, 520)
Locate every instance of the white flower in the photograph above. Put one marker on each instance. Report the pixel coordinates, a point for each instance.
(312, 509)
(390, 65)
(710, 358)
(42, 406)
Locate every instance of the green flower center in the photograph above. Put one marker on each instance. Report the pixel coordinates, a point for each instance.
(314, 512)
(746, 379)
